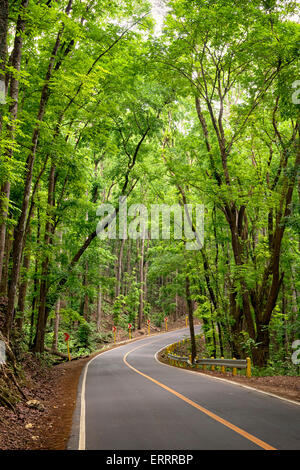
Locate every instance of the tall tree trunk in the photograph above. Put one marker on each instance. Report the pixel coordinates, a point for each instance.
(119, 268)
(13, 107)
(191, 317)
(48, 238)
(4, 10)
(141, 302)
(146, 265)
(35, 280)
(99, 308)
(57, 311)
(285, 309)
(23, 291)
(268, 294)
(85, 310)
(24, 280)
(5, 271)
(127, 286)
(295, 310)
(220, 339)
(20, 228)
(56, 325)
(214, 353)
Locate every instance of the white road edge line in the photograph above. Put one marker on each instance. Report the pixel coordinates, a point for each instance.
(224, 380)
(81, 444)
(82, 436)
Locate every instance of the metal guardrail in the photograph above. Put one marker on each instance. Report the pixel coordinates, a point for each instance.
(234, 364)
(238, 363)
(174, 357)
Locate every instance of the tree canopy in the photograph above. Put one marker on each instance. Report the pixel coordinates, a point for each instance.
(98, 105)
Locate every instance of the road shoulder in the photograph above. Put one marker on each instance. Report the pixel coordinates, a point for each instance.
(282, 387)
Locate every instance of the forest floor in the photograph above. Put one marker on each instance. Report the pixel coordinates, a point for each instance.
(47, 425)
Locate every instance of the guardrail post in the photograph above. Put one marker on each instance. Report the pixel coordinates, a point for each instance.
(248, 369)
(212, 367)
(234, 369)
(204, 365)
(222, 367)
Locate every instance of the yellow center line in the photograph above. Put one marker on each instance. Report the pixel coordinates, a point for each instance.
(226, 423)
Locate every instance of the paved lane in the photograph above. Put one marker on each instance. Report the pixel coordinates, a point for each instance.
(132, 402)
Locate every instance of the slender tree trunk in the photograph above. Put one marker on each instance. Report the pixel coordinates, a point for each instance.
(191, 317)
(214, 353)
(48, 238)
(56, 325)
(175, 316)
(13, 107)
(24, 279)
(5, 272)
(20, 228)
(295, 311)
(99, 309)
(35, 281)
(86, 277)
(141, 302)
(4, 10)
(285, 323)
(269, 291)
(146, 273)
(119, 268)
(127, 286)
(236, 327)
(23, 291)
(220, 339)
(57, 311)
(86, 295)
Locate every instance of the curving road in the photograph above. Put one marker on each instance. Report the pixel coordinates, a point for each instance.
(127, 400)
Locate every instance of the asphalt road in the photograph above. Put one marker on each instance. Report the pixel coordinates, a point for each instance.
(127, 400)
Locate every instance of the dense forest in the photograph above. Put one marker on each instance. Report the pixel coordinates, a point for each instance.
(195, 102)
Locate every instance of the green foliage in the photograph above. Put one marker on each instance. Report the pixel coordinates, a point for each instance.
(84, 336)
(157, 319)
(200, 114)
(118, 308)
